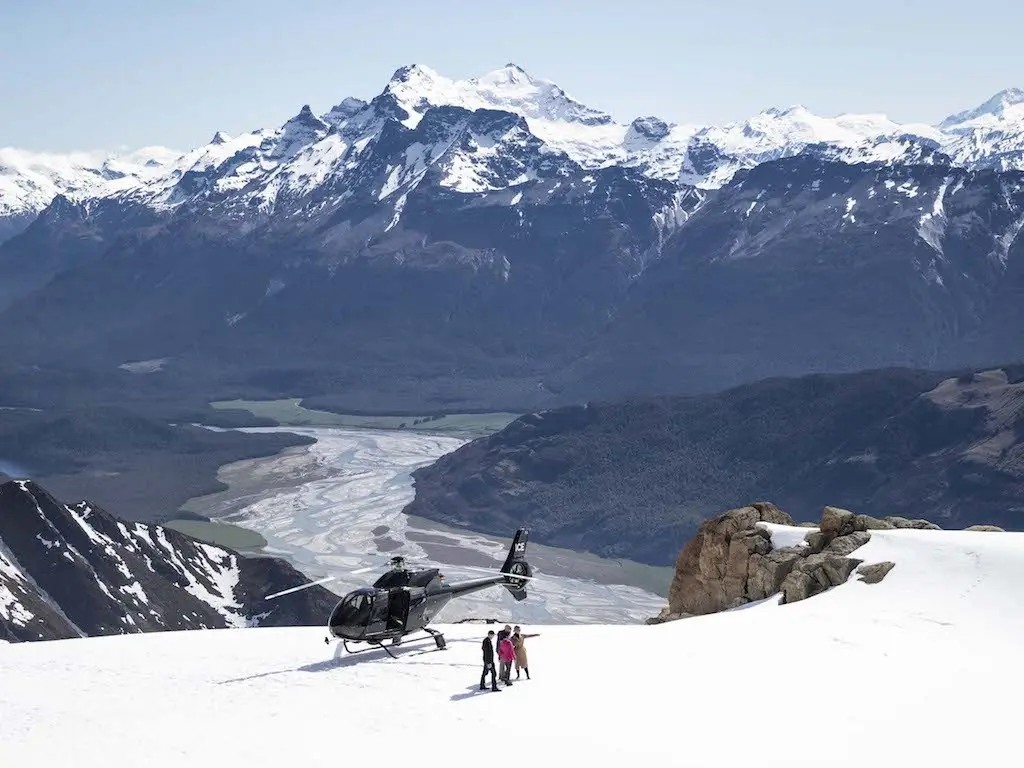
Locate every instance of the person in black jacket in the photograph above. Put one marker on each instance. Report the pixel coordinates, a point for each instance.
(488, 649)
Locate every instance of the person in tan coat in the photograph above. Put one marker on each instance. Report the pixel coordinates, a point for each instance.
(519, 644)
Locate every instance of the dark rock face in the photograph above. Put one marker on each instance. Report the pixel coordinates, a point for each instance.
(632, 479)
(768, 272)
(68, 571)
(540, 283)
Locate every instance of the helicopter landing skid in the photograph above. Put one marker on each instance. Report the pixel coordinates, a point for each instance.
(370, 646)
(438, 638)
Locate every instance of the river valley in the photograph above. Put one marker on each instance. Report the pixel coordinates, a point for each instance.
(336, 506)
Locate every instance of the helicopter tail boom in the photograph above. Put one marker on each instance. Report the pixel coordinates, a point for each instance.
(516, 570)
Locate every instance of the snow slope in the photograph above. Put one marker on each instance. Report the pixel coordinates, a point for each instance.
(30, 180)
(912, 671)
(72, 570)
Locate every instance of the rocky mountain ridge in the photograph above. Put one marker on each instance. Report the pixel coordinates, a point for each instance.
(75, 570)
(633, 479)
(305, 149)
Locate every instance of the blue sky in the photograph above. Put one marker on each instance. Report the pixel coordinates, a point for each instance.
(115, 74)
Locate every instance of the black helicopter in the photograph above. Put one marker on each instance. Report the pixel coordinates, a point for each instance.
(402, 602)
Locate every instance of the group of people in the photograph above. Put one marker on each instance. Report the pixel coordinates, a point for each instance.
(511, 649)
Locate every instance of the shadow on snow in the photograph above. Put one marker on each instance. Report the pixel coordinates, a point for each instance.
(341, 660)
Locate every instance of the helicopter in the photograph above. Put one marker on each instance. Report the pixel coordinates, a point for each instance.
(402, 602)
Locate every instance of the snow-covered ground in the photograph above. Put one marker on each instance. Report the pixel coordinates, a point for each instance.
(920, 670)
(336, 507)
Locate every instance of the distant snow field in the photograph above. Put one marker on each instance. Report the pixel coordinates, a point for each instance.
(919, 670)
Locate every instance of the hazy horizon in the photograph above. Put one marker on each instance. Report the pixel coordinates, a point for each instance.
(117, 76)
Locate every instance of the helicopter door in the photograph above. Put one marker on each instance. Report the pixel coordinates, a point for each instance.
(398, 609)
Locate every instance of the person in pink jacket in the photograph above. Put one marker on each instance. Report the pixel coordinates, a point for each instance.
(506, 655)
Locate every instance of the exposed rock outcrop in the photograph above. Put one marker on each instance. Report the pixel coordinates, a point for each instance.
(874, 573)
(712, 571)
(902, 522)
(991, 528)
(816, 573)
(732, 561)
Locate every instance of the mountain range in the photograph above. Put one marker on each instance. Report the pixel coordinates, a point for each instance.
(632, 479)
(75, 570)
(299, 155)
(494, 243)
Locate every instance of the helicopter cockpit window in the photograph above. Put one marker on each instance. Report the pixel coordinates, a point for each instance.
(356, 610)
(380, 608)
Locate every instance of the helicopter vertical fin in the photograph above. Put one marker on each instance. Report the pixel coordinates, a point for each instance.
(516, 565)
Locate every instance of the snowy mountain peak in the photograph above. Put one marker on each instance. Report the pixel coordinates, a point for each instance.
(307, 117)
(220, 138)
(510, 74)
(1007, 105)
(417, 88)
(413, 73)
(794, 110)
(348, 107)
(651, 128)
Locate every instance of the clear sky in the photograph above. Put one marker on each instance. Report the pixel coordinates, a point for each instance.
(117, 74)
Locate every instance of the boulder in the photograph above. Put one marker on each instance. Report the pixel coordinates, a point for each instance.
(742, 546)
(712, 572)
(816, 573)
(816, 541)
(868, 523)
(836, 521)
(992, 528)
(902, 522)
(844, 545)
(874, 573)
(768, 571)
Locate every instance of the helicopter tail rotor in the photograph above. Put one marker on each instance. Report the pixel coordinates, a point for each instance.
(516, 570)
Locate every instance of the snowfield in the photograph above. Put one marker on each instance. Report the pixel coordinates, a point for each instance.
(920, 670)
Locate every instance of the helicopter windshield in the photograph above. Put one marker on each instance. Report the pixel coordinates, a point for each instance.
(354, 610)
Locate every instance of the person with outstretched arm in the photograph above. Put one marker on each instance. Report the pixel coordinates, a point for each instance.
(519, 643)
(488, 649)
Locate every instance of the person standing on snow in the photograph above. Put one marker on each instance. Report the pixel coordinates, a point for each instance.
(519, 644)
(506, 655)
(488, 649)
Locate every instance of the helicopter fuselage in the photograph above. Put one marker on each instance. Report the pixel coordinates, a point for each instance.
(399, 603)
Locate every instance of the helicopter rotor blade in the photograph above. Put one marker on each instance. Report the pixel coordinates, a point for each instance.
(300, 588)
(323, 581)
(492, 572)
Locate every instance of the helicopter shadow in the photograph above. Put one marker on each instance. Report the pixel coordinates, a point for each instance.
(340, 660)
